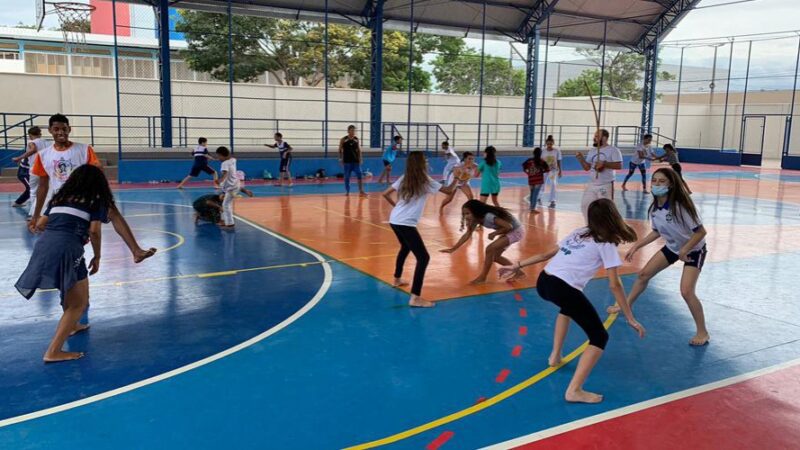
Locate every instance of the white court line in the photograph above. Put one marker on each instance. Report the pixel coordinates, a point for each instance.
(326, 283)
(550, 432)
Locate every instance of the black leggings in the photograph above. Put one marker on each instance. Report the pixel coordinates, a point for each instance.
(575, 305)
(23, 176)
(411, 241)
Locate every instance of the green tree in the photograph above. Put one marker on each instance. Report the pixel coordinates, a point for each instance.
(76, 25)
(576, 87)
(291, 51)
(457, 69)
(622, 79)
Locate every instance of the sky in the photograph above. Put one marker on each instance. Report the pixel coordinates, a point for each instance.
(713, 18)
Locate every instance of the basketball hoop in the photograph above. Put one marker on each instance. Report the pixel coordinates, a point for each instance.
(72, 17)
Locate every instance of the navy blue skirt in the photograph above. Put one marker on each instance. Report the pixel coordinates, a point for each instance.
(57, 262)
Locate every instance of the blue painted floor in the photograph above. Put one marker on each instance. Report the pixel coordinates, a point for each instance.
(350, 362)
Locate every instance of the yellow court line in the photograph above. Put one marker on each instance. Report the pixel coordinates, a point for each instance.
(483, 405)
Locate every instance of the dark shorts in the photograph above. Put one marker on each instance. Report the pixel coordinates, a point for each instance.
(698, 257)
(634, 166)
(197, 168)
(483, 194)
(285, 163)
(386, 163)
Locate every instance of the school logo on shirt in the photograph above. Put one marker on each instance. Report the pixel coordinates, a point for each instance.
(571, 245)
(62, 168)
(668, 217)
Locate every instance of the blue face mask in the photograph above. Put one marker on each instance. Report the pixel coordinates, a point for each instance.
(660, 191)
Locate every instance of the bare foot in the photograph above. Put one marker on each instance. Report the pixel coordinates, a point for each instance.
(362, 194)
(699, 340)
(249, 193)
(142, 254)
(398, 282)
(179, 187)
(645, 191)
(554, 360)
(534, 211)
(62, 356)
(613, 309)
(478, 281)
(419, 302)
(582, 396)
(79, 328)
(624, 188)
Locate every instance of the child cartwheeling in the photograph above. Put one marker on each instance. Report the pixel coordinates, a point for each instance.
(413, 189)
(73, 216)
(674, 217)
(229, 183)
(462, 173)
(200, 164)
(572, 264)
(285, 151)
(536, 168)
(507, 231)
(490, 175)
(389, 155)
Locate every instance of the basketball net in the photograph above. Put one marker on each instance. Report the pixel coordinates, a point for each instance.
(73, 17)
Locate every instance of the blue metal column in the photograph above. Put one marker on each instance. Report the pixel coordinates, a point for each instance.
(165, 78)
(531, 74)
(325, 125)
(649, 88)
(410, 72)
(480, 86)
(231, 131)
(376, 76)
(116, 83)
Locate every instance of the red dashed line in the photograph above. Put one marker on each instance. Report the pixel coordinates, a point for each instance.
(517, 297)
(440, 441)
(501, 377)
(480, 400)
(517, 351)
(523, 330)
(523, 312)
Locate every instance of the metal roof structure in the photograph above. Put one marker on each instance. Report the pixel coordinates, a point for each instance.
(634, 24)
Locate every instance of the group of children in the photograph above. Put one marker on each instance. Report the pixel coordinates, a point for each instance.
(73, 198)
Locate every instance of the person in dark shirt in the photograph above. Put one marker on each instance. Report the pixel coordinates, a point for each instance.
(350, 159)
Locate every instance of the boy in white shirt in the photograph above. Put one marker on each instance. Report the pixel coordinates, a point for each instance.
(229, 183)
(31, 181)
(601, 165)
(451, 160)
(552, 156)
(642, 153)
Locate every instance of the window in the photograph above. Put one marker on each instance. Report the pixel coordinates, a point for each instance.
(9, 55)
(45, 63)
(136, 68)
(180, 71)
(95, 66)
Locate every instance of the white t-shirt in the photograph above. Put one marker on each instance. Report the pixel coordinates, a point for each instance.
(608, 153)
(578, 259)
(676, 233)
(408, 212)
(451, 160)
(551, 157)
(59, 164)
(640, 153)
(231, 181)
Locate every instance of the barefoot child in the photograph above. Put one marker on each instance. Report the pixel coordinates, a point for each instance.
(413, 189)
(640, 155)
(201, 158)
(536, 168)
(229, 184)
(507, 231)
(552, 156)
(490, 175)
(54, 164)
(451, 160)
(462, 173)
(73, 216)
(572, 264)
(285, 151)
(674, 217)
(389, 155)
(208, 208)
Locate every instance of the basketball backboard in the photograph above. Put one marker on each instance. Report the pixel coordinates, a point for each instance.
(40, 13)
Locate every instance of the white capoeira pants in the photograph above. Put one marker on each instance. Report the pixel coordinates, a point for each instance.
(595, 192)
(227, 206)
(33, 182)
(552, 181)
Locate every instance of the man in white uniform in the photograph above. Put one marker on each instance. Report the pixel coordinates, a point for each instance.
(601, 164)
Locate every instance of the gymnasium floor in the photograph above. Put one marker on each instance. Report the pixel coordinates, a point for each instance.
(286, 335)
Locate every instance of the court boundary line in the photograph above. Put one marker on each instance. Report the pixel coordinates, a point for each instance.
(641, 406)
(324, 287)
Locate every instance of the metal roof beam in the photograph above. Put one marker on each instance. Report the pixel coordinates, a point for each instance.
(535, 16)
(668, 19)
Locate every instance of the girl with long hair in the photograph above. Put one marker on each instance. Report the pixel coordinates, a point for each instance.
(73, 216)
(490, 175)
(413, 189)
(507, 231)
(572, 264)
(674, 217)
(536, 168)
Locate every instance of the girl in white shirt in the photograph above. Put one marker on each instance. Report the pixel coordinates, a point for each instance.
(413, 189)
(572, 264)
(674, 217)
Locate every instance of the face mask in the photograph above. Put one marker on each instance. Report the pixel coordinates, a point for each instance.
(660, 191)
